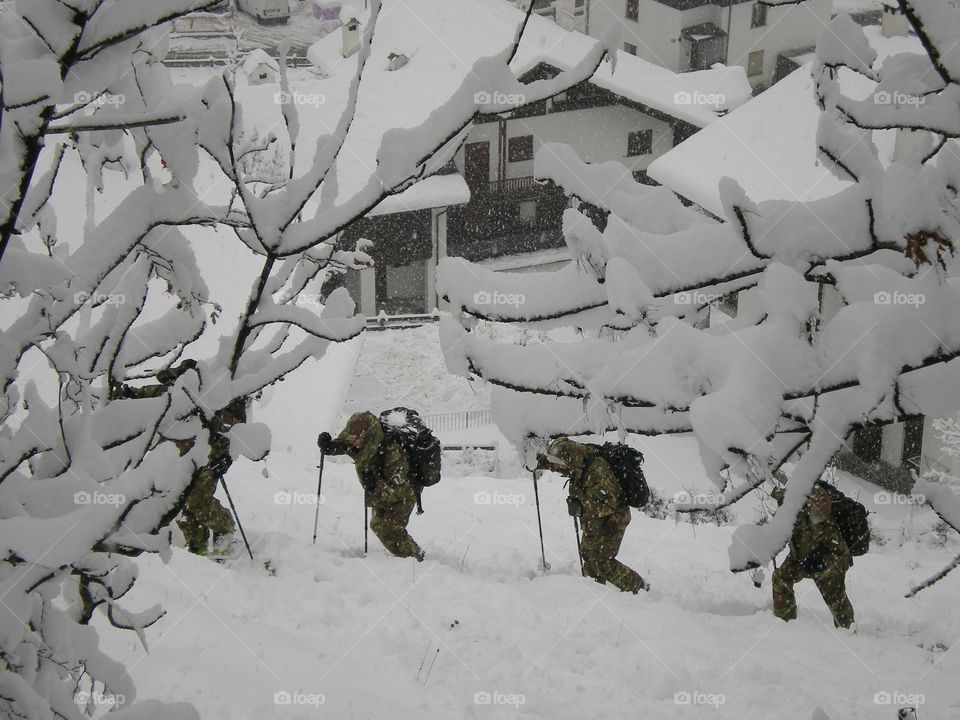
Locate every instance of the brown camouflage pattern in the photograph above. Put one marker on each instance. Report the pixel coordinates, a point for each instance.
(816, 541)
(605, 516)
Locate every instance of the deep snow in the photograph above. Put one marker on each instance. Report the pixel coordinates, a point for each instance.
(377, 637)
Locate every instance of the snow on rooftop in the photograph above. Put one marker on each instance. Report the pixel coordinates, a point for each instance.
(258, 57)
(527, 261)
(769, 144)
(692, 96)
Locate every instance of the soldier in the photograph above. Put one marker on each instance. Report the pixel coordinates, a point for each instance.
(383, 469)
(595, 498)
(202, 514)
(819, 552)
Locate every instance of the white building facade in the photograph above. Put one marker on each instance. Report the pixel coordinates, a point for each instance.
(684, 35)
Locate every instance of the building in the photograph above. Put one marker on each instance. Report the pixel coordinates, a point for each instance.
(327, 11)
(259, 68)
(631, 115)
(684, 35)
(486, 204)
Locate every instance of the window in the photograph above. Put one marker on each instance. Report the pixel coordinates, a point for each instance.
(755, 63)
(520, 148)
(759, 16)
(633, 9)
(630, 48)
(639, 143)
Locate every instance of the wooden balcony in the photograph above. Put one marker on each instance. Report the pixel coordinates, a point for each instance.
(517, 187)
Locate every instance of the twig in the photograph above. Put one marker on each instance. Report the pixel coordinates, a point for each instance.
(430, 669)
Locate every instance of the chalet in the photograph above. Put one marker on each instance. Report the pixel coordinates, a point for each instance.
(687, 35)
(631, 115)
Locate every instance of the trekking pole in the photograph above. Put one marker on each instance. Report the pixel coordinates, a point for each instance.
(233, 509)
(576, 529)
(536, 495)
(366, 525)
(316, 512)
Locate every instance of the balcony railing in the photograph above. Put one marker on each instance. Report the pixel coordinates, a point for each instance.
(525, 185)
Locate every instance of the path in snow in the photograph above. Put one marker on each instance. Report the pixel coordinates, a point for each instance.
(379, 638)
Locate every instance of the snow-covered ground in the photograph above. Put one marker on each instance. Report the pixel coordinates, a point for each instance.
(479, 630)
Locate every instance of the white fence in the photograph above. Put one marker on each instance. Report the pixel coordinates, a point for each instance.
(444, 422)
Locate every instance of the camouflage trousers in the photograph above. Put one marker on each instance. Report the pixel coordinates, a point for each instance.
(599, 547)
(389, 524)
(831, 582)
(203, 514)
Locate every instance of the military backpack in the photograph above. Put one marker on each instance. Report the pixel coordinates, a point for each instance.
(406, 427)
(625, 463)
(851, 517)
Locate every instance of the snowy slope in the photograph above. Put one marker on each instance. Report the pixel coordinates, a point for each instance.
(363, 634)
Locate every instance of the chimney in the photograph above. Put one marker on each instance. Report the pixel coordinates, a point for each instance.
(349, 36)
(893, 23)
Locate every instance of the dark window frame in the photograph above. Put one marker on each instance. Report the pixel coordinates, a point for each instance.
(520, 148)
(639, 142)
(758, 15)
(630, 48)
(750, 62)
(632, 11)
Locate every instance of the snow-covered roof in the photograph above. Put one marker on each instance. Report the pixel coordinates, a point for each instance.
(258, 57)
(693, 97)
(524, 261)
(769, 144)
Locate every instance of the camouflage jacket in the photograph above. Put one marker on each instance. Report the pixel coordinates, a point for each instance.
(816, 536)
(592, 482)
(385, 475)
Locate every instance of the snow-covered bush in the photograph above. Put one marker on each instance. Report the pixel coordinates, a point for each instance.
(109, 294)
(785, 374)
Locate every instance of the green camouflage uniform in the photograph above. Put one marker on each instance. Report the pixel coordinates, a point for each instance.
(819, 552)
(604, 517)
(384, 472)
(202, 513)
